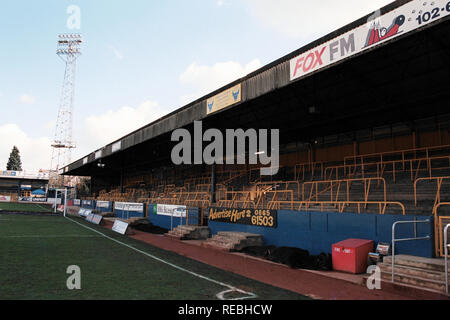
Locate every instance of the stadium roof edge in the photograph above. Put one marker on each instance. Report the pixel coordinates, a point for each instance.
(202, 100)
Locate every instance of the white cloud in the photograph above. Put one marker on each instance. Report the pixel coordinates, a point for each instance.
(97, 131)
(49, 125)
(307, 20)
(202, 79)
(102, 129)
(35, 152)
(222, 3)
(27, 99)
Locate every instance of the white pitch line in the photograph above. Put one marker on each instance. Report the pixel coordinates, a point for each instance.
(46, 209)
(220, 295)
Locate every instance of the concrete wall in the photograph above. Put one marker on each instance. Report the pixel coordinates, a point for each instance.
(316, 231)
(103, 209)
(167, 222)
(88, 204)
(127, 214)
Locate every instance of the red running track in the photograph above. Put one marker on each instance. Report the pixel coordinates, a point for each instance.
(303, 282)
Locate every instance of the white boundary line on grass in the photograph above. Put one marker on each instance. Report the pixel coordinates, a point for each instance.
(46, 209)
(220, 295)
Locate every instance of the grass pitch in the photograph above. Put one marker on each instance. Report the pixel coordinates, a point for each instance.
(37, 250)
(25, 207)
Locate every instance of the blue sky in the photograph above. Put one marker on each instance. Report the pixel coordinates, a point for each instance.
(141, 59)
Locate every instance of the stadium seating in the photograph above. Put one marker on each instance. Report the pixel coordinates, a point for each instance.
(411, 181)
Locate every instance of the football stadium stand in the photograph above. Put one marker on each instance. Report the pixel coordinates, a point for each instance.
(364, 142)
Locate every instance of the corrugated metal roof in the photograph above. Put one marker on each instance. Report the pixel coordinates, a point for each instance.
(268, 78)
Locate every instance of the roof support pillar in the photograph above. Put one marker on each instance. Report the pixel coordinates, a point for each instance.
(121, 180)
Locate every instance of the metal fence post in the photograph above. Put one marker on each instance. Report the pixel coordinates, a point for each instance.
(394, 240)
(446, 245)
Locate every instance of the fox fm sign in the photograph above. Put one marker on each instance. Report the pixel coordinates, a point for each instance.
(378, 29)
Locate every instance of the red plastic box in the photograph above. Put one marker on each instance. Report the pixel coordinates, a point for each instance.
(351, 255)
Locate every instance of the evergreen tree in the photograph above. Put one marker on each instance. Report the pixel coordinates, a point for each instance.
(14, 162)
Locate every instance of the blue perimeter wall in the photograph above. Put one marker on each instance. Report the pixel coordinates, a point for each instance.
(124, 214)
(164, 221)
(317, 231)
(88, 204)
(109, 209)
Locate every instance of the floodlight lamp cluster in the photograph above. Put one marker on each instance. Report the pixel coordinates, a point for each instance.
(68, 51)
(70, 36)
(68, 44)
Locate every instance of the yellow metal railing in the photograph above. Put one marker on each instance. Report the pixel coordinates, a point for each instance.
(439, 223)
(380, 168)
(305, 205)
(271, 185)
(334, 186)
(237, 197)
(404, 154)
(301, 169)
(439, 180)
(274, 201)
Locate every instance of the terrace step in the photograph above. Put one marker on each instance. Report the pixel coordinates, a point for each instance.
(430, 264)
(419, 272)
(416, 282)
(233, 241)
(135, 220)
(415, 272)
(184, 232)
